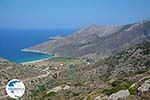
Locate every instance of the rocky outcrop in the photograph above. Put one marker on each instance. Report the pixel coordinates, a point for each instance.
(60, 88)
(101, 97)
(145, 87)
(119, 95)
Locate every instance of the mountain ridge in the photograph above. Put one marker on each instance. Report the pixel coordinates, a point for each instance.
(96, 39)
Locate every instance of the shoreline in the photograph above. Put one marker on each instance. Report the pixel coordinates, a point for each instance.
(34, 61)
(35, 51)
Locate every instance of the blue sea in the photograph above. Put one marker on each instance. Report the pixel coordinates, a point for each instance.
(12, 41)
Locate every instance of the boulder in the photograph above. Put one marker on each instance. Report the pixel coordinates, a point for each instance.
(59, 88)
(145, 87)
(101, 97)
(66, 87)
(119, 95)
(56, 89)
(98, 98)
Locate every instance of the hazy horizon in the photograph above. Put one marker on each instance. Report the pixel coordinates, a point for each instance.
(66, 14)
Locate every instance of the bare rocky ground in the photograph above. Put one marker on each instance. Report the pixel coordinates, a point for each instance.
(124, 76)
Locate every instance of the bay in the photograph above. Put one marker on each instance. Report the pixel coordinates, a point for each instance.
(12, 41)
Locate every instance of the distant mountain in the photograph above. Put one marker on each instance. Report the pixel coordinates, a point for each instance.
(96, 40)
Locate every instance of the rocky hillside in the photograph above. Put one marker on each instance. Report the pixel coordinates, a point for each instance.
(96, 40)
(9, 70)
(124, 76)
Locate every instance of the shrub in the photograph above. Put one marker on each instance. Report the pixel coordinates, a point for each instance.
(118, 85)
(51, 94)
(133, 91)
(115, 83)
(75, 94)
(107, 91)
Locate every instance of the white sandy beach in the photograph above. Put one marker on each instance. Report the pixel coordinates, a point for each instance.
(30, 62)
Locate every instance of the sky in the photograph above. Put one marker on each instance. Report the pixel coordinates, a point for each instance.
(50, 14)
